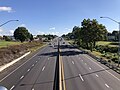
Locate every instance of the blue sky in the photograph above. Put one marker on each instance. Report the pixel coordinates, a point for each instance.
(56, 16)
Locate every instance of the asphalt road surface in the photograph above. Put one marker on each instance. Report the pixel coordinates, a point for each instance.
(81, 72)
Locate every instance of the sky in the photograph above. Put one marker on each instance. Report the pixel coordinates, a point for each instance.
(56, 16)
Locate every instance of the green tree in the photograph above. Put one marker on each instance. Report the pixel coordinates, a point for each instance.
(31, 37)
(91, 32)
(6, 38)
(22, 34)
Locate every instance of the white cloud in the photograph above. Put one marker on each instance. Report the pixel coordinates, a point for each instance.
(11, 32)
(7, 9)
(40, 33)
(52, 28)
(69, 29)
(22, 25)
(1, 30)
(53, 33)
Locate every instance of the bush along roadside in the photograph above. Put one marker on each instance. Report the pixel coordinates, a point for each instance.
(112, 60)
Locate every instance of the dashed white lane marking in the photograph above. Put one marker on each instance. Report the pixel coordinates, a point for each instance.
(36, 61)
(89, 68)
(28, 70)
(96, 75)
(12, 87)
(85, 63)
(48, 58)
(33, 89)
(21, 77)
(19, 67)
(72, 62)
(103, 68)
(107, 86)
(81, 77)
(32, 65)
(43, 68)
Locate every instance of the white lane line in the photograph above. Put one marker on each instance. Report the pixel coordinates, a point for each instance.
(21, 77)
(48, 58)
(96, 75)
(81, 77)
(36, 61)
(107, 86)
(33, 89)
(28, 70)
(85, 63)
(72, 62)
(19, 67)
(12, 87)
(103, 68)
(43, 68)
(32, 65)
(89, 68)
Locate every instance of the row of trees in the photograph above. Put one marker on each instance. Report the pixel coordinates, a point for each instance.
(88, 34)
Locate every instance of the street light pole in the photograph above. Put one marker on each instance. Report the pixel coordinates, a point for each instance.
(7, 22)
(118, 38)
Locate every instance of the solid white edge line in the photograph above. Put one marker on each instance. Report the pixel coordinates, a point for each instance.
(81, 77)
(19, 66)
(107, 86)
(104, 68)
(12, 87)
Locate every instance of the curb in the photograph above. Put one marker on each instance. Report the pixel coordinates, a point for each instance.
(14, 61)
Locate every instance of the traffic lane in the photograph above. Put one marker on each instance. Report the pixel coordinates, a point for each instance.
(79, 81)
(108, 79)
(93, 81)
(88, 80)
(8, 81)
(71, 76)
(28, 80)
(43, 71)
(46, 79)
(112, 81)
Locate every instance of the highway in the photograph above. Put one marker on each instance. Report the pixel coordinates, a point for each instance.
(79, 71)
(35, 74)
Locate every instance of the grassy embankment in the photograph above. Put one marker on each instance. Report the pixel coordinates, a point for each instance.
(8, 43)
(12, 50)
(110, 47)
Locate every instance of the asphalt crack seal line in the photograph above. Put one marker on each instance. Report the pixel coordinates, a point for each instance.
(62, 74)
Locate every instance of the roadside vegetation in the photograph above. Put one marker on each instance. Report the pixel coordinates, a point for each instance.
(9, 53)
(92, 37)
(4, 43)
